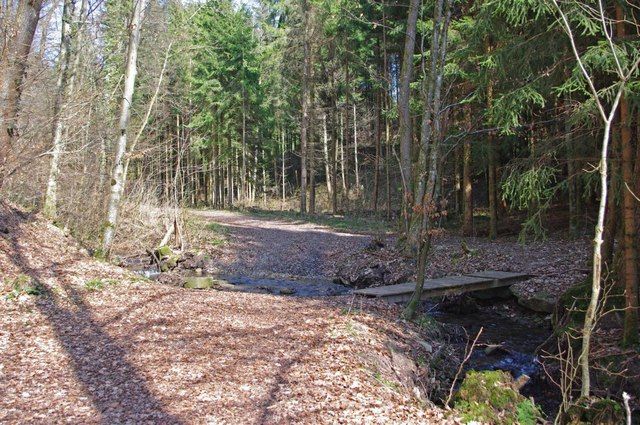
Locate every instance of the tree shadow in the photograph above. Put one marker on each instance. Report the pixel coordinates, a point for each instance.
(116, 389)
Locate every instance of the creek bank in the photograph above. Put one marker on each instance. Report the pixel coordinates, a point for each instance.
(510, 339)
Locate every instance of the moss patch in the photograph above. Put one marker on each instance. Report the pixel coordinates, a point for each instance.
(492, 397)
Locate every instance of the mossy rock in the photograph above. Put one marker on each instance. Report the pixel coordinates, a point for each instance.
(594, 411)
(541, 302)
(163, 252)
(169, 263)
(493, 397)
(199, 282)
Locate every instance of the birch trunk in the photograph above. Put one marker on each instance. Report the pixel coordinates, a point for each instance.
(117, 175)
(62, 87)
(325, 147)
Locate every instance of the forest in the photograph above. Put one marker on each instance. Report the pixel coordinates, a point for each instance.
(320, 211)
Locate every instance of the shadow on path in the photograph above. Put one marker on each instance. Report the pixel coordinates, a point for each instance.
(115, 387)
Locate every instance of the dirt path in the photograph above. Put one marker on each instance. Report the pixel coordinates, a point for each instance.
(265, 247)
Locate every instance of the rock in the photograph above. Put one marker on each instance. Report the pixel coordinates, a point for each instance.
(163, 252)
(374, 266)
(492, 293)
(541, 302)
(199, 282)
(287, 291)
(193, 261)
(493, 349)
(169, 263)
(494, 397)
(427, 346)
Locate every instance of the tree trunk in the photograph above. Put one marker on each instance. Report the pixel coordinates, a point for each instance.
(284, 170)
(430, 140)
(346, 139)
(62, 86)
(117, 177)
(243, 175)
(376, 161)
(630, 336)
(467, 185)
(355, 147)
(304, 124)
(404, 113)
(14, 67)
(325, 150)
(492, 183)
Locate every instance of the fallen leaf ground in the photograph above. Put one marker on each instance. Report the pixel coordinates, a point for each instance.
(139, 352)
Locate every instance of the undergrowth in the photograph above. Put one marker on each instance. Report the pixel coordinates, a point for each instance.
(22, 285)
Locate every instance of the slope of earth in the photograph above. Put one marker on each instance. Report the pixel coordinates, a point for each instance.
(138, 352)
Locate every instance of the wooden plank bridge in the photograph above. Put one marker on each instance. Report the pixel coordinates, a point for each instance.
(449, 285)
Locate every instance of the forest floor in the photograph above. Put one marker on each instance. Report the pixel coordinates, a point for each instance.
(286, 246)
(83, 341)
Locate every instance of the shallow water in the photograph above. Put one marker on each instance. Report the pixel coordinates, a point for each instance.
(298, 288)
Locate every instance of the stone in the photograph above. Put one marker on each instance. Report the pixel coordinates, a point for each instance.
(199, 282)
(541, 302)
(492, 293)
(287, 291)
(163, 252)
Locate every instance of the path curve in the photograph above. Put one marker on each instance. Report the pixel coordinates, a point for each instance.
(267, 247)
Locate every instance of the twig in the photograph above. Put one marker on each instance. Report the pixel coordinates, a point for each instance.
(466, 358)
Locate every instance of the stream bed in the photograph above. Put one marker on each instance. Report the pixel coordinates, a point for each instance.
(510, 339)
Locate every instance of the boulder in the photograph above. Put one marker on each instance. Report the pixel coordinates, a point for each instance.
(364, 270)
(168, 260)
(287, 291)
(542, 302)
(494, 397)
(199, 282)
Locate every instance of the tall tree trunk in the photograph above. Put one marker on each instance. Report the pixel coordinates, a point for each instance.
(243, 176)
(492, 183)
(334, 133)
(430, 140)
(325, 150)
(387, 105)
(572, 172)
(404, 113)
(355, 146)
(467, 185)
(376, 161)
(630, 336)
(62, 87)
(117, 177)
(304, 125)
(346, 139)
(14, 69)
(284, 170)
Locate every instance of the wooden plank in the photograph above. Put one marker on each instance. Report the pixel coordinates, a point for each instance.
(382, 291)
(455, 281)
(505, 276)
(447, 285)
